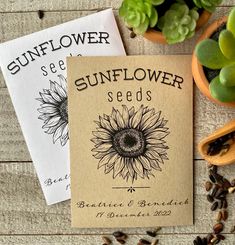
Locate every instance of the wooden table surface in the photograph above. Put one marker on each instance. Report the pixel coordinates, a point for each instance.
(24, 216)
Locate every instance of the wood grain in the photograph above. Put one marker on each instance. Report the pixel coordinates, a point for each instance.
(56, 5)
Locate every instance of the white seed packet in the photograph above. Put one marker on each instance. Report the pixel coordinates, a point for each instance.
(34, 67)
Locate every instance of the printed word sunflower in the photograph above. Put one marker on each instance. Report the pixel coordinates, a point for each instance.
(130, 143)
(54, 110)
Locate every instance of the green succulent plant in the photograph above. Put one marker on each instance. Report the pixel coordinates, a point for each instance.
(209, 5)
(221, 55)
(178, 23)
(139, 14)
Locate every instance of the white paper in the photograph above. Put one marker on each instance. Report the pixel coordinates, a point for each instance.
(37, 85)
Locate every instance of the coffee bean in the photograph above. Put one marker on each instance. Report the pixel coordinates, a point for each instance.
(208, 185)
(40, 14)
(218, 228)
(118, 234)
(214, 206)
(224, 215)
(106, 240)
(144, 242)
(151, 233)
(210, 198)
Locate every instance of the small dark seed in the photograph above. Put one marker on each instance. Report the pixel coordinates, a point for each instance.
(219, 216)
(144, 242)
(214, 206)
(121, 241)
(221, 237)
(209, 237)
(225, 204)
(106, 240)
(204, 241)
(210, 198)
(226, 183)
(118, 234)
(132, 35)
(151, 233)
(208, 185)
(212, 178)
(218, 228)
(215, 189)
(40, 14)
(232, 230)
(220, 206)
(220, 192)
(199, 240)
(224, 215)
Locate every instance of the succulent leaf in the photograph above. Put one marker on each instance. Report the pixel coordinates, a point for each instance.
(221, 92)
(178, 23)
(209, 54)
(139, 14)
(227, 75)
(227, 44)
(231, 21)
(208, 5)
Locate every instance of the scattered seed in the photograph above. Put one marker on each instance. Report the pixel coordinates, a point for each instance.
(219, 216)
(208, 185)
(225, 204)
(215, 189)
(121, 241)
(220, 206)
(231, 189)
(210, 198)
(224, 215)
(209, 237)
(218, 228)
(232, 230)
(155, 242)
(144, 242)
(226, 183)
(212, 178)
(40, 14)
(106, 240)
(151, 233)
(132, 35)
(214, 206)
(119, 234)
(221, 237)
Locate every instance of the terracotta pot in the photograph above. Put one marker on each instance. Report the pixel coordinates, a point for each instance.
(228, 157)
(197, 69)
(157, 36)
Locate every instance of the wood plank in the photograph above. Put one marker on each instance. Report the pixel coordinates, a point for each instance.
(23, 209)
(55, 5)
(14, 25)
(208, 117)
(96, 239)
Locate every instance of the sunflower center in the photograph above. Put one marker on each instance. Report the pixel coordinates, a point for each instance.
(64, 110)
(129, 143)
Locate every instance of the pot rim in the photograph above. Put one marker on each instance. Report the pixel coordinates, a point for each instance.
(197, 69)
(157, 36)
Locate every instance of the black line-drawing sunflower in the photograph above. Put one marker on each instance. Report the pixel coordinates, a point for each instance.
(54, 110)
(130, 143)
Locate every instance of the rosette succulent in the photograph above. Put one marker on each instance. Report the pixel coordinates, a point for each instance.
(221, 55)
(209, 5)
(139, 14)
(178, 23)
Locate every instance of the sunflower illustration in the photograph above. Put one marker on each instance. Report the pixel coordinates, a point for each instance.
(130, 143)
(54, 110)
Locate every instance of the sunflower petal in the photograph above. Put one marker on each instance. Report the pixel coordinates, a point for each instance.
(145, 162)
(48, 110)
(102, 135)
(113, 124)
(155, 165)
(129, 164)
(136, 119)
(58, 132)
(120, 121)
(105, 124)
(118, 166)
(60, 91)
(104, 147)
(151, 121)
(57, 97)
(138, 168)
(125, 116)
(47, 98)
(131, 111)
(52, 122)
(63, 83)
(104, 160)
(65, 135)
